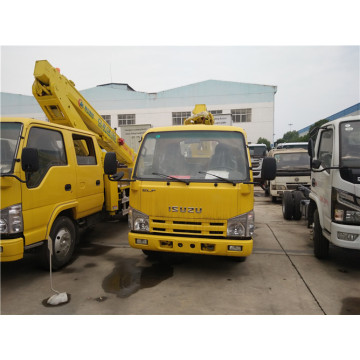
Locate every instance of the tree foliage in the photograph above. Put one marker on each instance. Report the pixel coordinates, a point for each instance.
(293, 136)
(264, 141)
(314, 126)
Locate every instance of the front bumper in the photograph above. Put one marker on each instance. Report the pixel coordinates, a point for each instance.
(191, 245)
(353, 229)
(11, 249)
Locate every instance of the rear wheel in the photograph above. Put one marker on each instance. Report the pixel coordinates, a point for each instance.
(321, 244)
(287, 205)
(273, 199)
(298, 196)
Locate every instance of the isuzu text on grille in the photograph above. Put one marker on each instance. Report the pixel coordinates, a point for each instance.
(185, 209)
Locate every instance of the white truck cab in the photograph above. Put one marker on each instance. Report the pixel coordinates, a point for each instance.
(257, 154)
(335, 185)
(292, 170)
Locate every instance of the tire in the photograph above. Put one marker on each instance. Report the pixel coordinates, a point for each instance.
(274, 199)
(63, 234)
(287, 205)
(238, 259)
(298, 196)
(152, 254)
(321, 244)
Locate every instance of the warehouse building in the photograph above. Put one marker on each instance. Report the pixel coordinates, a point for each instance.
(249, 106)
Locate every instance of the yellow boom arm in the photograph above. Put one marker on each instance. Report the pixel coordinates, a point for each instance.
(201, 116)
(64, 105)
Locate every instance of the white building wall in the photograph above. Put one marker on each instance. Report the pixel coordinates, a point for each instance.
(156, 108)
(261, 124)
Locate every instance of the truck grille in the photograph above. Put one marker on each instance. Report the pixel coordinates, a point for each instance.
(255, 163)
(195, 228)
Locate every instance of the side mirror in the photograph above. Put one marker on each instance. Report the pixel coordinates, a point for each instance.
(311, 148)
(268, 170)
(30, 160)
(110, 165)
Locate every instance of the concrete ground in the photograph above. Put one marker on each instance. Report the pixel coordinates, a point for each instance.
(106, 276)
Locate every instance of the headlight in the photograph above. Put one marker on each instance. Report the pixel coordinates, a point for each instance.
(345, 207)
(138, 221)
(241, 226)
(11, 221)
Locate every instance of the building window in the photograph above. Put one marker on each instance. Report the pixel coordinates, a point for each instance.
(216, 112)
(179, 117)
(107, 118)
(126, 119)
(241, 115)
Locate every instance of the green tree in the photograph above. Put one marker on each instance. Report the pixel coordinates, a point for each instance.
(264, 141)
(291, 136)
(315, 125)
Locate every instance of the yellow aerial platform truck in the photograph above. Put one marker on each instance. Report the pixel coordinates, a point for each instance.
(192, 190)
(52, 173)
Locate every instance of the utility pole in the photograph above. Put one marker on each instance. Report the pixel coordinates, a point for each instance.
(290, 126)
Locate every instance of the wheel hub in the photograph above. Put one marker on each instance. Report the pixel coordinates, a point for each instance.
(62, 243)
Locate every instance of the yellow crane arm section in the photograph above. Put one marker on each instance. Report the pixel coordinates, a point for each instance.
(200, 116)
(64, 105)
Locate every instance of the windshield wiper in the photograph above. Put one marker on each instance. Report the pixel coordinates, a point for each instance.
(172, 178)
(219, 177)
(231, 182)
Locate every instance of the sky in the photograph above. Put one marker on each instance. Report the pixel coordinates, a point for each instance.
(312, 81)
(309, 50)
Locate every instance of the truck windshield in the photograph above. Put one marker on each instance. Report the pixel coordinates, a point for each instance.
(350, 144)
(292, 161)
(10, 135)
(257, 150)
(193, 156)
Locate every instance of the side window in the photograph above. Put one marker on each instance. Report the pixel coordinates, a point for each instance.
(325, 150)
(51, 150)
(84, 150)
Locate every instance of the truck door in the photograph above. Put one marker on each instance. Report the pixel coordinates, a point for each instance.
(321, 182)
(89, 176)
(50, 185)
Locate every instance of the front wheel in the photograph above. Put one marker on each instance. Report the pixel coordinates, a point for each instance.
(152, 254)
(321, 244)
(63, 236)
(238, 259)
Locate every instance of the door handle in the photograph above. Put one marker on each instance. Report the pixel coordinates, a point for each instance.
(97, 182)
(67, 187)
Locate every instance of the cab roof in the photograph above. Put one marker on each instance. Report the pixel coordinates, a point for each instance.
(29, 121)
(197, 127)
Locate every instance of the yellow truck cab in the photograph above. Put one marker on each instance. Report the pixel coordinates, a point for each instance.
(52, 179)
(192, 191)
(52, 173)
